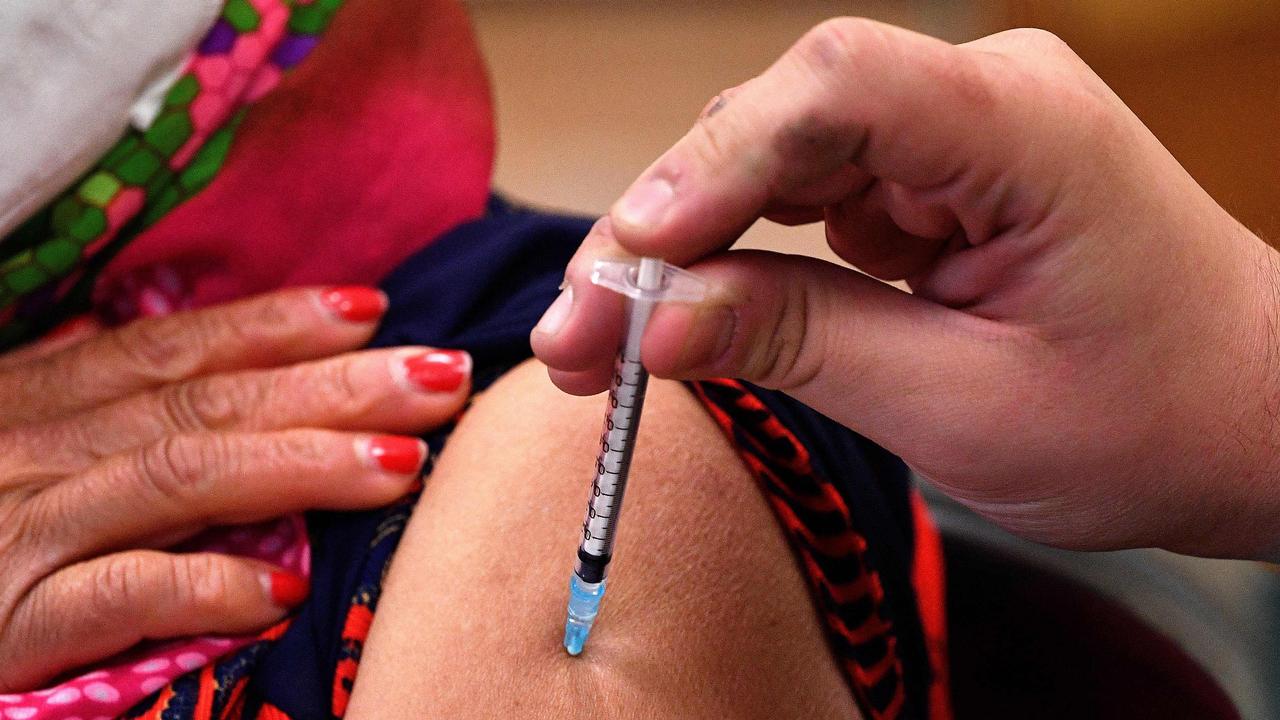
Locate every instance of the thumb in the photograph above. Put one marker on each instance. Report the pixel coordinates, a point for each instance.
(895, 367)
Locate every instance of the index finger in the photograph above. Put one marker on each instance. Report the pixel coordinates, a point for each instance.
(899, 105)
(267, 331)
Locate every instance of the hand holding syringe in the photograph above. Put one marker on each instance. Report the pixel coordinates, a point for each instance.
(645, 284)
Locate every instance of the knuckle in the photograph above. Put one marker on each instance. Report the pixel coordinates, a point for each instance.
(200, 405)
(341, 386)
(32, 542)
(273, 311)
(156, 349)
(817, 132)
(301, 448)
(840, 53)
(120, 581)
(263, 321)
(201, 581)
(1097, 118)
(712, 143)
(790, 356)
(813, 139)
(836, 45)
(178, 467)
(266, 317)
(35, 528)
(31, 629)
(1044, 42)
(70, 444)
(716, 103)
(1073, 91)
(1037, 60)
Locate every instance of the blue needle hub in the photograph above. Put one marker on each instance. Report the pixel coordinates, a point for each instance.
(584, 604)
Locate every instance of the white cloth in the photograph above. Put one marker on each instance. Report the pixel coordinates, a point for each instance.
(73, 73)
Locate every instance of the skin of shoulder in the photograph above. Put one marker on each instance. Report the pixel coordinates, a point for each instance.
(706, 613)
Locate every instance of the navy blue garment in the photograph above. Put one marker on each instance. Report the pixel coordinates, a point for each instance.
(481, 288)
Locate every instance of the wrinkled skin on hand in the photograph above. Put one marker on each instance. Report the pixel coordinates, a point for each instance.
(119, 443)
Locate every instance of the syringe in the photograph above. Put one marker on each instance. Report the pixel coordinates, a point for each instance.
(645, 284)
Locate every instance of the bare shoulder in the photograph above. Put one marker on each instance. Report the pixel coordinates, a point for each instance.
(706, 616)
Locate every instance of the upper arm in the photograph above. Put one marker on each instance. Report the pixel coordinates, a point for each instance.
(706, 616)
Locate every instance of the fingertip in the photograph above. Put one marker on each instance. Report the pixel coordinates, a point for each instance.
(555, 317)
(75, 329)
(582, 382)
(588, 336)
(433, 371)
(284, 589)
(357, 304)
(397, 455)
(556, 351)
(644, 207)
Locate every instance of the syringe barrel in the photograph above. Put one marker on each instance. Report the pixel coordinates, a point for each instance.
(651, 282)
(613, 465)
(617, 440)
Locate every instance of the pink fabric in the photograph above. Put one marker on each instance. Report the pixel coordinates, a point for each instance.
(376, 144)
(108, 691)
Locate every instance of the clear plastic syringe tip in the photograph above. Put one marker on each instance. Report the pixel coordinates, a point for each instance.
(584, 604)
(649, 279)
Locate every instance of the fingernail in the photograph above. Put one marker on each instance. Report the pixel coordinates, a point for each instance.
(74, 326)
(354, 303)
(556, 315)
(432, 371)
(645, 204)
(393, 453)
(286, 589)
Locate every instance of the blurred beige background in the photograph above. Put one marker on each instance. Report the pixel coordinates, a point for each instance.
(590, 92)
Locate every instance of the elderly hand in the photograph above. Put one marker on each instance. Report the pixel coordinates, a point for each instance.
(129, 440)
(1089, 354)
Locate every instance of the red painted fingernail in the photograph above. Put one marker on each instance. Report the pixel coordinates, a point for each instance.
(288, 590)
(395, 453)
(74, 326)
(354, 303)
(436, 370)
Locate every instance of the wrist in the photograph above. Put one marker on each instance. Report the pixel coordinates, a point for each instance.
(1254, 478)
(1267, 474)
